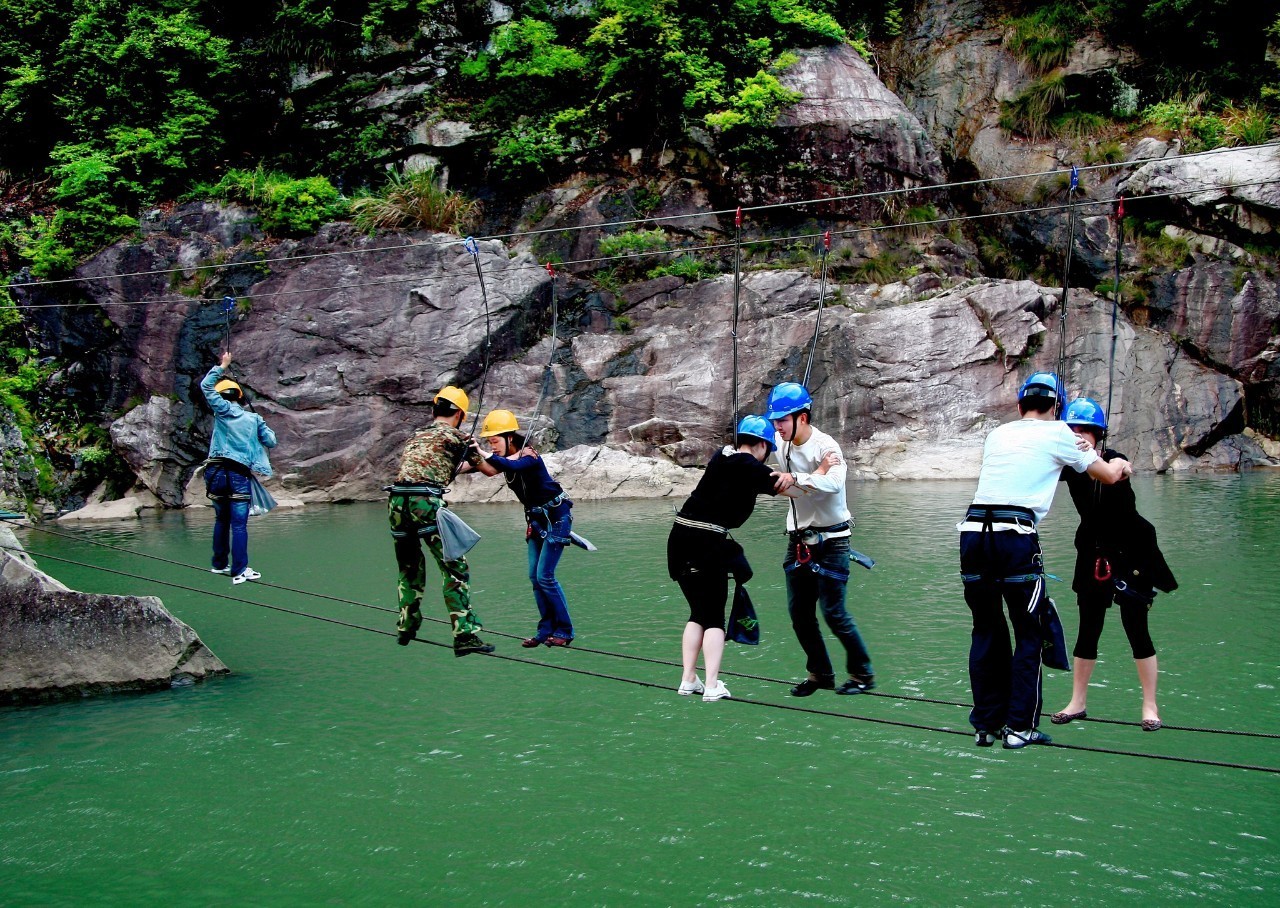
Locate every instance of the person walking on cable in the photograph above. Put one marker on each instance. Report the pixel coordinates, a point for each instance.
(428, 464)
(818, 552)
(1001, 562)
(1117, 560)
(701, 555)
(548, 522)
(237, 450)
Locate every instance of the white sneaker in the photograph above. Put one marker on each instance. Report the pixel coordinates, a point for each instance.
(247, 574)
(1016, 739)
(716, 691)
(225, 570)
(687, 690)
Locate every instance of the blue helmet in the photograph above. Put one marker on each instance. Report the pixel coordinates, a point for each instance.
(758, 427)
(1041, 384)
(787, 398)
(1085, 411)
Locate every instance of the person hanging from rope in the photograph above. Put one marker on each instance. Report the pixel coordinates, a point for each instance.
(1001, 562)
(428, 464)
(818, 551)
(548, 521)
(237, 450)
(1117, 560)
(701, 555)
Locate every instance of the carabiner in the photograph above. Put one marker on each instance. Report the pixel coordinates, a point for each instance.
(803, 553)
(1102, 570)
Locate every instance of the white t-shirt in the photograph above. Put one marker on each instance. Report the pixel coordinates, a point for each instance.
(1022, 461)
(819, 500)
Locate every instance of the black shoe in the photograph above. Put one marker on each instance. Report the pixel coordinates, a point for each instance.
(857, 686)
(809, 685)
(985, 738)
(470, 643)
(404, 637)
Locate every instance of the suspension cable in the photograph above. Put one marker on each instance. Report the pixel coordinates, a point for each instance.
(582, 649)
(580, 671)
(884, 193)
(677, 250)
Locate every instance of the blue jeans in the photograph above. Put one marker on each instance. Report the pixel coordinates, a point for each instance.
(229, 491)
(822, 583)
(544, 555)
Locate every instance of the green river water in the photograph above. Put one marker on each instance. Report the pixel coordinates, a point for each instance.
(336, 768)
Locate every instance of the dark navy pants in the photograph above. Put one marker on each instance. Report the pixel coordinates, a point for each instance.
(229, 491)
(821, 584)
(1006, 680)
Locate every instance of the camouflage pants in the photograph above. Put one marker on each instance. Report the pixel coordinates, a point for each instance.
(413, 522)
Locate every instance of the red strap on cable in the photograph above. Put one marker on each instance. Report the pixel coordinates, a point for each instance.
(551, 270)
(826, 241)
(737, 218)
(1119, 208)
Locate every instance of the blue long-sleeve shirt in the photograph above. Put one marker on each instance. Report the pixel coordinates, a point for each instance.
(528, 478)
(237, 434)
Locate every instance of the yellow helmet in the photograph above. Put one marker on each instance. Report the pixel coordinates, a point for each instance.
(499, 422)
(228, 385)
(455, 396)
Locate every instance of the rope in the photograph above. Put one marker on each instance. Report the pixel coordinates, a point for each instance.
(682, 250)
(822, 298)
(737, 289)
(1066, 287)
(546, 371)
(884, 193)
(582, 649)
(1115, 307)
(639, 683)
(474, 249)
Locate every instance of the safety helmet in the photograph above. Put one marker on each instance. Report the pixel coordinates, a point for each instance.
(757, 427)
(1041, 384)
(499, 422)
(455, 396)
(226, 385)
(1085, 411)
(787, 398)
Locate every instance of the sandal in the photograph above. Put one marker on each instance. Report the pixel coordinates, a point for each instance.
(1063, 718)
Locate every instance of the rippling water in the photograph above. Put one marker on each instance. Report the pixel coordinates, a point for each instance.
(335, 767)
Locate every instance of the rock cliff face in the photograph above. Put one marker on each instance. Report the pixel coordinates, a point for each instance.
(342, 339)
(58, 643)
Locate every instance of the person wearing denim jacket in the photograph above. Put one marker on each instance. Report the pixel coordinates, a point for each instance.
(548, 522)
(237, 449)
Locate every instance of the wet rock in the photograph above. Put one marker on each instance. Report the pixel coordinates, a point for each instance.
(59, 643)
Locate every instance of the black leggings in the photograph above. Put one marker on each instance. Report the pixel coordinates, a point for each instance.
(1093, 612)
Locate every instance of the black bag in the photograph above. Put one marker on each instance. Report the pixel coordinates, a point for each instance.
(744, 626)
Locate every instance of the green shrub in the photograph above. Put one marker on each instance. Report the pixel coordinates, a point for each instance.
(286, 206)
(1079, 124)
(1044, 39)
(1248, 125)
(687, 267)
(632, 242)
(1030, 112)
(415, 202)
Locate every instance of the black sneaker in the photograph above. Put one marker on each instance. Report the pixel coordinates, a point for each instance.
(857, 686)
(985, 738)
(1014, 740)
(809, 685)
(470, 643)
(404, 637)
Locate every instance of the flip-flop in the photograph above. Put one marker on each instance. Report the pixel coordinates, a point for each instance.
(1064, 717)
(1151, 724)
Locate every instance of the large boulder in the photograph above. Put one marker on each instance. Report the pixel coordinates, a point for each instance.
(848, 130)
(59, 643)
(1229, 192)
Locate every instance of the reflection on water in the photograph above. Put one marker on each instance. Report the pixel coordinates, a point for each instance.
(335, 766)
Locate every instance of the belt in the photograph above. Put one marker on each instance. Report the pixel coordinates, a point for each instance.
(999, 513)
(559, 499)
(701, 525)
(415, 488)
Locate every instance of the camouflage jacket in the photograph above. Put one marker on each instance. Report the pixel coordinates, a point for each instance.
(433, 453)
